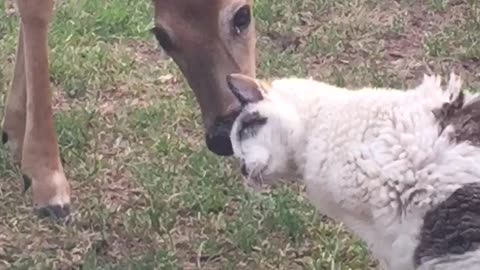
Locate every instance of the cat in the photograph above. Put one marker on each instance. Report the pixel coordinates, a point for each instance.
(400, 168)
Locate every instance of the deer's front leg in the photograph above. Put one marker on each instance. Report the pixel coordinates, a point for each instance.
(40, 155)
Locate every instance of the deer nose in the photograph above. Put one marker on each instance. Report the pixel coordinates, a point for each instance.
(219, 143)
(218, 136)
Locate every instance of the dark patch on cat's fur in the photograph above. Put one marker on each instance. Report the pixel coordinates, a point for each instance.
(452, 227)
(249, 125)
(465, 118)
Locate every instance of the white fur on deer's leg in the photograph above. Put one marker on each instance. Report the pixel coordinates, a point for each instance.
(40, 158)
(399, 168)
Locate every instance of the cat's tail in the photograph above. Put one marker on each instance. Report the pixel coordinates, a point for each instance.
(457, 109)
(433, 95)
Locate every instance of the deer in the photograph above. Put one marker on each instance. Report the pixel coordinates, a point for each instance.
(207, 40)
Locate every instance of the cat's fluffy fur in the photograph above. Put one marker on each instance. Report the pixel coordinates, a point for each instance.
(375, 159)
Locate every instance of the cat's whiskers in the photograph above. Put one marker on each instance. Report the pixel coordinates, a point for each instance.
(249, 176)
(260, 177)
(255, 176)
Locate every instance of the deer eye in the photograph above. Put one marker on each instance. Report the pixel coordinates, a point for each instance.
(241, 19)
(163, 38)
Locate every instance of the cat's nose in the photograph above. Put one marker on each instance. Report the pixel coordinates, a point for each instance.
(243, 170)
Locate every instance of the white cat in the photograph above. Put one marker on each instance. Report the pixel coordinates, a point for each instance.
(401, 169)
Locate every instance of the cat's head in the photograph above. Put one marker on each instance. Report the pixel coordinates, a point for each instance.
(262, 133)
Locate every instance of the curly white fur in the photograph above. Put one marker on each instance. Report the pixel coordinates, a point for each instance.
(370, 158)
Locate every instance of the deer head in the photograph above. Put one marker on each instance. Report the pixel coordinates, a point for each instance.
(209, 39)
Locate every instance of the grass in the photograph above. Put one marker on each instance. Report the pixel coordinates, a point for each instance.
(147, 194)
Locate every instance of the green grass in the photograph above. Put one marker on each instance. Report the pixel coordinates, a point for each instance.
(147, 194)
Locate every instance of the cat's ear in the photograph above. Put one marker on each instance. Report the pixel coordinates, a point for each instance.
(246, 89)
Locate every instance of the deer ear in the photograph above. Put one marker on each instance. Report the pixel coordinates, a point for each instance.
(246, 89)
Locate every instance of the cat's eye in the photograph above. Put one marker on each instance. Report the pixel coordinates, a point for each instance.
(251, 123)
(163, 38)
(253, 120)
(241, 19)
